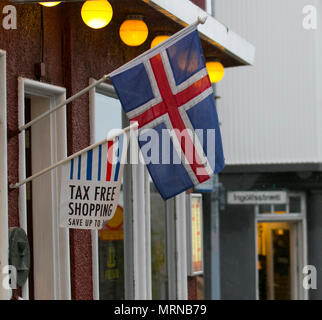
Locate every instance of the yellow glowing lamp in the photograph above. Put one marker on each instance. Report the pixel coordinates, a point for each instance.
(134, 31)
(215, 70)
(50, 4)
(158, 39)
(280, 232)
(97, 14)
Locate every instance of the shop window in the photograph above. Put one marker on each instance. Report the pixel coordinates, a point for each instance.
(160, 279)
(107, 116)
(122, 248)
(163, 247)
(143, 255)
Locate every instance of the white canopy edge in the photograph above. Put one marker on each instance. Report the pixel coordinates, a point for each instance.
(185, 12)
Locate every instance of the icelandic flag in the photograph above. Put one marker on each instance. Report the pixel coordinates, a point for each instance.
(168, 91)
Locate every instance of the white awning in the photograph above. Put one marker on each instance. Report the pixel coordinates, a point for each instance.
(230, 43)
(224, 44)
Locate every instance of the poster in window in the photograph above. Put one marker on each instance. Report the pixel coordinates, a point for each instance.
(194, 224)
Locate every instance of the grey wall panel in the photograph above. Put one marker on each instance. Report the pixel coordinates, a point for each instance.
(314, 226)
(271, 112)
(237, 253)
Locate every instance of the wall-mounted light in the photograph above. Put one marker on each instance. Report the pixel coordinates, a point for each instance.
(216, 71)
(50, 4)
(158, 39)
(97, 14)
(134, 31)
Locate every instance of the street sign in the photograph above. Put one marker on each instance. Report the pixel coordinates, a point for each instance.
(256, 197)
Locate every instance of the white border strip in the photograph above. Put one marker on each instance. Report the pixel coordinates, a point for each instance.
(181, 234)
(4, 293)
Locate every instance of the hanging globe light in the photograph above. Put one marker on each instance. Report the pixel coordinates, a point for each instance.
(215, 70)
(97, 14)
(158, 39)
(50, 4)
(134, 31)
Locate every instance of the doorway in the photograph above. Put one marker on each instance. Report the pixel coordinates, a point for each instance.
(43, 144)
(281, 250)
(277, 260)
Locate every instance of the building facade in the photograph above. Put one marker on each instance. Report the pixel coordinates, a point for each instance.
(272, 136)
(49, 56)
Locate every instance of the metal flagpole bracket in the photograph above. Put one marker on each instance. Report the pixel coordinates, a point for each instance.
(202, 20)
(64, 103)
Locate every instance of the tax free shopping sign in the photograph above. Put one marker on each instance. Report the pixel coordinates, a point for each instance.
(90, 185)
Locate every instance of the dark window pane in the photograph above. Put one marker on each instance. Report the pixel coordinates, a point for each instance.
(111, 258)
(280, 208)
(159, 248)
(264, 209)
(295, 204)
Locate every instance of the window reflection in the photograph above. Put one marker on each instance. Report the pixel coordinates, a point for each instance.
(108, 116)
(158, 247)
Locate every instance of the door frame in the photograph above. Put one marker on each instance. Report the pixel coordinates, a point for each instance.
(62, 281)
(301, 226)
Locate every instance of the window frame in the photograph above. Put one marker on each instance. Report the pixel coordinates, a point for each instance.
(137, 230)
(62, 279)
(210, 6)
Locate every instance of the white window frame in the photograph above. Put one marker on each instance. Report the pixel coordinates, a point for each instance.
(4, 293)
(139, 261)
(181, 249)
(288, 217)
(107, 91)
(139, 267)
(61, 252)
(209, 6)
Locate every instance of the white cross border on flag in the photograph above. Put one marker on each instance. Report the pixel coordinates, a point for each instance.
(165, 118)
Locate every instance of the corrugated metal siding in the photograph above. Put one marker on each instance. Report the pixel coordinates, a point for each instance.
(271, 112)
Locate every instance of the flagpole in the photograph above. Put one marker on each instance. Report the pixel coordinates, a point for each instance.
(75, 155)
(62, 104)
(200, 20)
